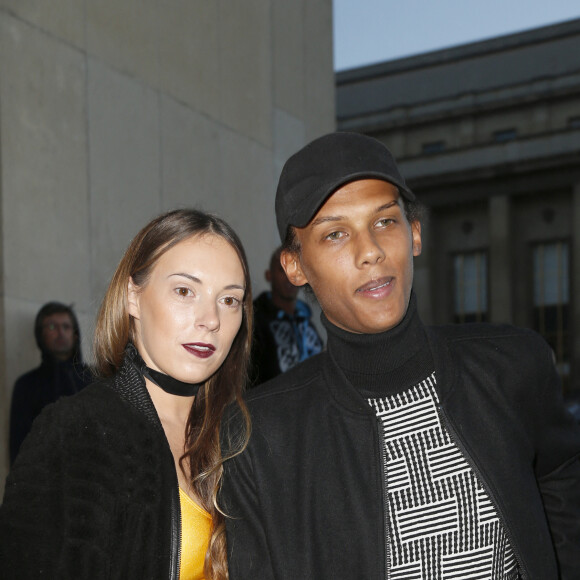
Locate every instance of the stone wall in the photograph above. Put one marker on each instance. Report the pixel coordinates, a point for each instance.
(113, 111)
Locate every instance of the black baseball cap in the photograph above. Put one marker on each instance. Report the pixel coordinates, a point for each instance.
(315, 172)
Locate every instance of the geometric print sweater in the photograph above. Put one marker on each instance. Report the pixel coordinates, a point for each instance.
(442, 524)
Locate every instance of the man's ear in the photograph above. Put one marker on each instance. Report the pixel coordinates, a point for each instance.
(416, 233)
(133, 299)
(291, 263)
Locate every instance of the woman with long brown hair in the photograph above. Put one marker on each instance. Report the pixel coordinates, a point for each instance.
(121, 480)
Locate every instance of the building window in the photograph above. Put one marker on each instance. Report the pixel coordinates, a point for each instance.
(470, 281)
(504, 135)
(433, 147)
(551, 301)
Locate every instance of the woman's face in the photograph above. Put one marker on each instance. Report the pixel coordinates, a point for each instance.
(190, 310)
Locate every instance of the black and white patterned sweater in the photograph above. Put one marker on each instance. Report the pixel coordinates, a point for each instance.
(441, 521)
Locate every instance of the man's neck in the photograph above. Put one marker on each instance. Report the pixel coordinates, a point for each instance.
(56, 358)
(385, 362)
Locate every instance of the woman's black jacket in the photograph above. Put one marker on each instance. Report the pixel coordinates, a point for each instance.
(306, 497)
(93, 493)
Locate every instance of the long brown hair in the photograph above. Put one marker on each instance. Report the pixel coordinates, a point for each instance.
(115, 329)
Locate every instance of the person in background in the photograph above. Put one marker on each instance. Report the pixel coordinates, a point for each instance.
(283, 331)
(403, 450)
(61, 372)
(120, 481)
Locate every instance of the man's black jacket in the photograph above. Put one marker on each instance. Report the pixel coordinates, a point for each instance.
(306, 498)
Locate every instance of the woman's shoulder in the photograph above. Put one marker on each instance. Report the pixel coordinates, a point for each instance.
(96, 421)
(96, 395)
(96, 403)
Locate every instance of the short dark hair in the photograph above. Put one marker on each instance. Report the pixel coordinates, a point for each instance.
(415, 211)
(49, 309)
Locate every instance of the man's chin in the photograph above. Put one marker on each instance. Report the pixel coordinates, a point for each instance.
(61, 354)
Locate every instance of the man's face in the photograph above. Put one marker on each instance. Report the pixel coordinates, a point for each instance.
(58, 335)
(357, 255)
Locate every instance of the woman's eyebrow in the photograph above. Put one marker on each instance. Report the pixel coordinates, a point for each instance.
(198, 281)
(188, 276)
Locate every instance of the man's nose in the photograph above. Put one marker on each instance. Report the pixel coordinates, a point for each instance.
(369, 251)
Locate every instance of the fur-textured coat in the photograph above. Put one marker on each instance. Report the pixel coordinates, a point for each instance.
(93, 493)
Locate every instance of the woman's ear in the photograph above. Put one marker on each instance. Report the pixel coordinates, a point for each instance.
(291, 263)
(133, 299)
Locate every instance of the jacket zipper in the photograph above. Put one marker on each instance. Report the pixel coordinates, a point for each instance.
(385, 486)
(179, 539)
(175, 559)
(455, 438)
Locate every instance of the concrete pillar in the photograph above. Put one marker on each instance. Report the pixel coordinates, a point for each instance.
(575, 286)
(499, 270)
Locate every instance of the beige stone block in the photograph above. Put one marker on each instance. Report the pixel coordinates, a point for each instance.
(19, 326)
(87, 329)
(190, 158)
(245, 63)
(248, 189)
(189, 55)
(124, 34)
(125, 166)
(289, 136)
(44, 167)
(288, 56)
(61, 18)
(319, 86)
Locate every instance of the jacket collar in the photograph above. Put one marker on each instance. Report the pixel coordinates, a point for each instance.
(445, 368)
(346, 395)
(130, 386)
(385, 363)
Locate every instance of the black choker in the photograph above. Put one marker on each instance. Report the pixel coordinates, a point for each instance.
(169, 384)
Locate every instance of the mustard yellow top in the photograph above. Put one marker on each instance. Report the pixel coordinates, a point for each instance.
(195, 534)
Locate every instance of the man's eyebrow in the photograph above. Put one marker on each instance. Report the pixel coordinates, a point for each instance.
(198, 281)
(337, 218)
(325, 219)
(388, 205)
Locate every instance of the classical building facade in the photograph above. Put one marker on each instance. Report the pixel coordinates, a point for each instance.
(488, 136)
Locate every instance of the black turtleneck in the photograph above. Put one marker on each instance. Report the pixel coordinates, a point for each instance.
(383, 363)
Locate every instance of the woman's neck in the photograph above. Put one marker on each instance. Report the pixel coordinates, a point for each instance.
(170, 408)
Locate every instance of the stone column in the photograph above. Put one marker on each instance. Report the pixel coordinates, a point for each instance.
(499, 271)
(575, 285)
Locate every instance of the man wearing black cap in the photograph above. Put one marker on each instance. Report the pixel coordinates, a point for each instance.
(404, 451)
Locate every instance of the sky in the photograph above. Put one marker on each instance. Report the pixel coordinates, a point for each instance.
(370, 31)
